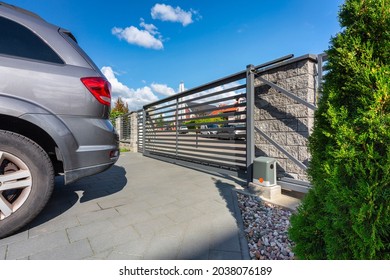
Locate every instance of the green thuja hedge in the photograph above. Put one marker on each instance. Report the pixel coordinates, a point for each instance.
(347, 213)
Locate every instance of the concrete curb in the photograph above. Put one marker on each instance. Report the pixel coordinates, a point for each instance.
(240, 223)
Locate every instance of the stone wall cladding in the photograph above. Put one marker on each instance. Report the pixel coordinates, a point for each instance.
(286, 121)
(128, 139)
(134, 132)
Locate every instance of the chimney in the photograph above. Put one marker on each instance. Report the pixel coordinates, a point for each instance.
(181, 87)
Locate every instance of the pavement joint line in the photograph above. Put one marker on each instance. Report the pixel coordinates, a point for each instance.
(182, 240)
(6, 252)
(90, 245)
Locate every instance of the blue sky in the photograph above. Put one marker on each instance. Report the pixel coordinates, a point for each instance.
(146, 48)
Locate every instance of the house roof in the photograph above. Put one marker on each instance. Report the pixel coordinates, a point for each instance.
(221, 111)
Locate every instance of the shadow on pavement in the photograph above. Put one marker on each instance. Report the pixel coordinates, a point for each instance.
(230, 242)
(65, 197)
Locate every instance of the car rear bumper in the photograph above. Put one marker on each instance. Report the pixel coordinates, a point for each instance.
(98, 147)
(73, 175)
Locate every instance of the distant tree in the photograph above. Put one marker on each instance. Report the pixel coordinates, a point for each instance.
(120, 108)
(346, 215)
(195, 124)
(160, 121)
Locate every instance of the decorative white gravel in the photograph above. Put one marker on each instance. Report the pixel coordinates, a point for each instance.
(265, 227)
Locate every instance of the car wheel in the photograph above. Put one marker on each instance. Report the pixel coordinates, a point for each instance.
(26, 181)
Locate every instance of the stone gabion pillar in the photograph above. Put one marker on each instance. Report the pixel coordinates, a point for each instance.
(118, 127)
(134, 132)
(286, 121)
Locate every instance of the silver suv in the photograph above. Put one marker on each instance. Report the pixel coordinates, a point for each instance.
(54, 109)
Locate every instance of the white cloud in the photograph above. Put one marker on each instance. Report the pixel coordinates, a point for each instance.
(162, 89)
(151, 28)
(148, 37)
(135, 98)
(168, 13)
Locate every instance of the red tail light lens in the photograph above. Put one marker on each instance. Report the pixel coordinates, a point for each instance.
(100, 88)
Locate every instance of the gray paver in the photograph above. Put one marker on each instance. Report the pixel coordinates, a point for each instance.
(135, 248)
(160, 210)
(113, 202)
(74, 251)
(36, 245)
(131, 218)
(96, 216)
(161, 200)
(100, 256)
(139, 209)
(3, 251)
(162, 248)
(118, 256)
(223, 221)
(153, 226)
(225, 240)
(14, 238)
(196, 245)
(132, 207)
(105, 241)
(210, 206)
(176, 230)
(82, 208)
(57, 224)
(90, 230)
(185, 214)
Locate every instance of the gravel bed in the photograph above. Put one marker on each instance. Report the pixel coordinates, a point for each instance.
(265, 227)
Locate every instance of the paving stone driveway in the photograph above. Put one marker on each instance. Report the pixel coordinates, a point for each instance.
(141, 208)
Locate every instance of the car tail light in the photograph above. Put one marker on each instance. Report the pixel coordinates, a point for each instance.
(100, 88)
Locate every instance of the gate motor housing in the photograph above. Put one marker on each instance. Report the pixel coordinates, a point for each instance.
(264, 171)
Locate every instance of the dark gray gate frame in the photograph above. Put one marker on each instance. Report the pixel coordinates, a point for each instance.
(250, 104)
(226, 80)
(250, 74)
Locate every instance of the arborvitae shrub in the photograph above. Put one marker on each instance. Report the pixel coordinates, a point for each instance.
(346, 215)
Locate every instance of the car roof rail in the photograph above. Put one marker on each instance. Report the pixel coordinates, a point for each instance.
(20, 10)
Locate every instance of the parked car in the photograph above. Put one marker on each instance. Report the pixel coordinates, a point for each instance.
(232, 131)
(54, 109)
(183, 129)
(205, 129)
(213, 126)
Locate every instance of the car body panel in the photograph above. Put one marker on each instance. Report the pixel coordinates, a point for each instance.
(52, 97)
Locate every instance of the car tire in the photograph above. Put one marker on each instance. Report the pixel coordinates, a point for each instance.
(26, 181)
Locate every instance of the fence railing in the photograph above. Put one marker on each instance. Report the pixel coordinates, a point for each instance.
(202, 128)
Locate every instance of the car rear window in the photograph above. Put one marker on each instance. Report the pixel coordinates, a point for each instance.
(17, 40)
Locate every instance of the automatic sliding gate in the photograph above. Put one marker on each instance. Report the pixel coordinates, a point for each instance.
(206, 127)
(203, 128)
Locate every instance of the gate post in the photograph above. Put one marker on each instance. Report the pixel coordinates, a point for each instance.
(177, 125)
(250, 101)
(143, 130)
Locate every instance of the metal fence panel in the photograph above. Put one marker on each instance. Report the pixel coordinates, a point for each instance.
(203, 128)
